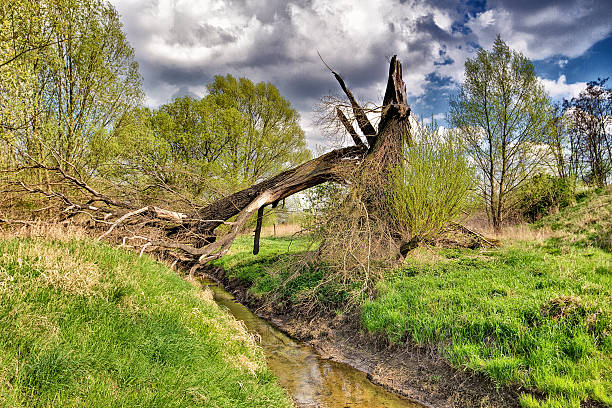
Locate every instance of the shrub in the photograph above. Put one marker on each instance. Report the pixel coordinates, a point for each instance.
(543, 194)
(432, 187)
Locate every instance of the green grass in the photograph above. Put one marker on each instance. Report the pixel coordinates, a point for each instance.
(588, 222)
(535, 315)
(284, 273)
(523, 315)
(87, 325)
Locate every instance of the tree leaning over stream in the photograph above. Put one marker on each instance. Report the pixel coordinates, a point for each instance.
(204, 234)
(502, 112)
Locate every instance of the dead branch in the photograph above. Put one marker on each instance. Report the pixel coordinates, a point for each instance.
(349, 128)
(362, 119)
(260, 214)
(121, 219)
(478, 236)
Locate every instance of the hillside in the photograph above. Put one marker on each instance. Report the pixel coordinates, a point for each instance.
(84, 324)
(588, 222)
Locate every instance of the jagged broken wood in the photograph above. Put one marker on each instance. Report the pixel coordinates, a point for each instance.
(195, 235)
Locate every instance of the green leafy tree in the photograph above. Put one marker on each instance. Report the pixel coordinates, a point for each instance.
(502, 112)
(190, 155)
(68, 74)
(206, 148)
(432, 186)
(590, 117)
(272, 139)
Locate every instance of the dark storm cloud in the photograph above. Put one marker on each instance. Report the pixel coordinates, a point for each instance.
(181, 45)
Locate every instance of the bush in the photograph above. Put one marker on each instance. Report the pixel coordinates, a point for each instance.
(542, 195)
(432, 187)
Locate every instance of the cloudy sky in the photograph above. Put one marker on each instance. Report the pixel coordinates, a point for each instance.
(181, 44)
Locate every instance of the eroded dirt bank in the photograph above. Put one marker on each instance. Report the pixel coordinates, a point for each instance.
(419, 374)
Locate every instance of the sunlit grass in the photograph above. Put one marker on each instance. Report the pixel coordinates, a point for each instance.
(84, 324)
(525, 315)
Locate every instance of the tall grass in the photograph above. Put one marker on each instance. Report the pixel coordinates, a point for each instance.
(87, 325)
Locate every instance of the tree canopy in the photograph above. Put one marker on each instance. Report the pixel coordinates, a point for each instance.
(590, 135)
(68, 74)
(271, 138)
(201, 149)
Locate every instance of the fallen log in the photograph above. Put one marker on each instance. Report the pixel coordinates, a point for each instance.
(194, 234)
(385, 147)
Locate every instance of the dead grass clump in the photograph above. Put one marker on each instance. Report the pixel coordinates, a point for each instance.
(55, 231)
(59, 268)
(521, 232)
(563, 307)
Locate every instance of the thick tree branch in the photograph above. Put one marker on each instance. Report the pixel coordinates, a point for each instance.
(260, 214)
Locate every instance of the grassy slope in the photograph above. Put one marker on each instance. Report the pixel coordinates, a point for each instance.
(534, 314)
(524, 314)
(588, 223)
(83, 324)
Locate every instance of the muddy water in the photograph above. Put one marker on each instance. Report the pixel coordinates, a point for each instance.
(311, 380)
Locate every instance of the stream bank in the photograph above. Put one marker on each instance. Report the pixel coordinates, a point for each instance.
(311, 380)
(418, 374)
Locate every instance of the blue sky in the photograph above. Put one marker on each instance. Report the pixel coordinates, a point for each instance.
(180, 45)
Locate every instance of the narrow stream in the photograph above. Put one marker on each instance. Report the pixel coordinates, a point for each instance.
(311, 380)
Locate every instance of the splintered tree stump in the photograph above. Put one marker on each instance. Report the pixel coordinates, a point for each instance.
(383, 150)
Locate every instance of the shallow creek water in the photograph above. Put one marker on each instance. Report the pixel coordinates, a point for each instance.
(311, 380)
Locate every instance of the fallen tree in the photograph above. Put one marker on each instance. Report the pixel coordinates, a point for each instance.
(194, 237)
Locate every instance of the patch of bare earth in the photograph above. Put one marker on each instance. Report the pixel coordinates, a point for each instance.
(417, 373)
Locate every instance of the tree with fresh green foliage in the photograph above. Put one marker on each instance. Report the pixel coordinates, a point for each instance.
(432, 186)
(501, 111)
(590, 119)
(271, 139)
(68, 74)
(202, 149)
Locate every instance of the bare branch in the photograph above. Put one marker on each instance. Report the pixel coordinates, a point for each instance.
(349, 128)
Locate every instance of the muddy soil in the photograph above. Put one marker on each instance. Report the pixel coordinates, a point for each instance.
(419, 374)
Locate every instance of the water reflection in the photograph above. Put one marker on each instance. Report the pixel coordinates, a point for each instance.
(312, 381)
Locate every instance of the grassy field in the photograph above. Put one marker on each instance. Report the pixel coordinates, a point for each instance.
(86, 325)
(526, 314)
(264, 272)
(536, 314)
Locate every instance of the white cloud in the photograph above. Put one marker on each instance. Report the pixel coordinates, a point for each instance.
(560, 89)
(182, 44)
(540, 30)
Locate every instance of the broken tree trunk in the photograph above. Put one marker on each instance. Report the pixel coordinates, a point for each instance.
(192, 238)
(384, 151)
